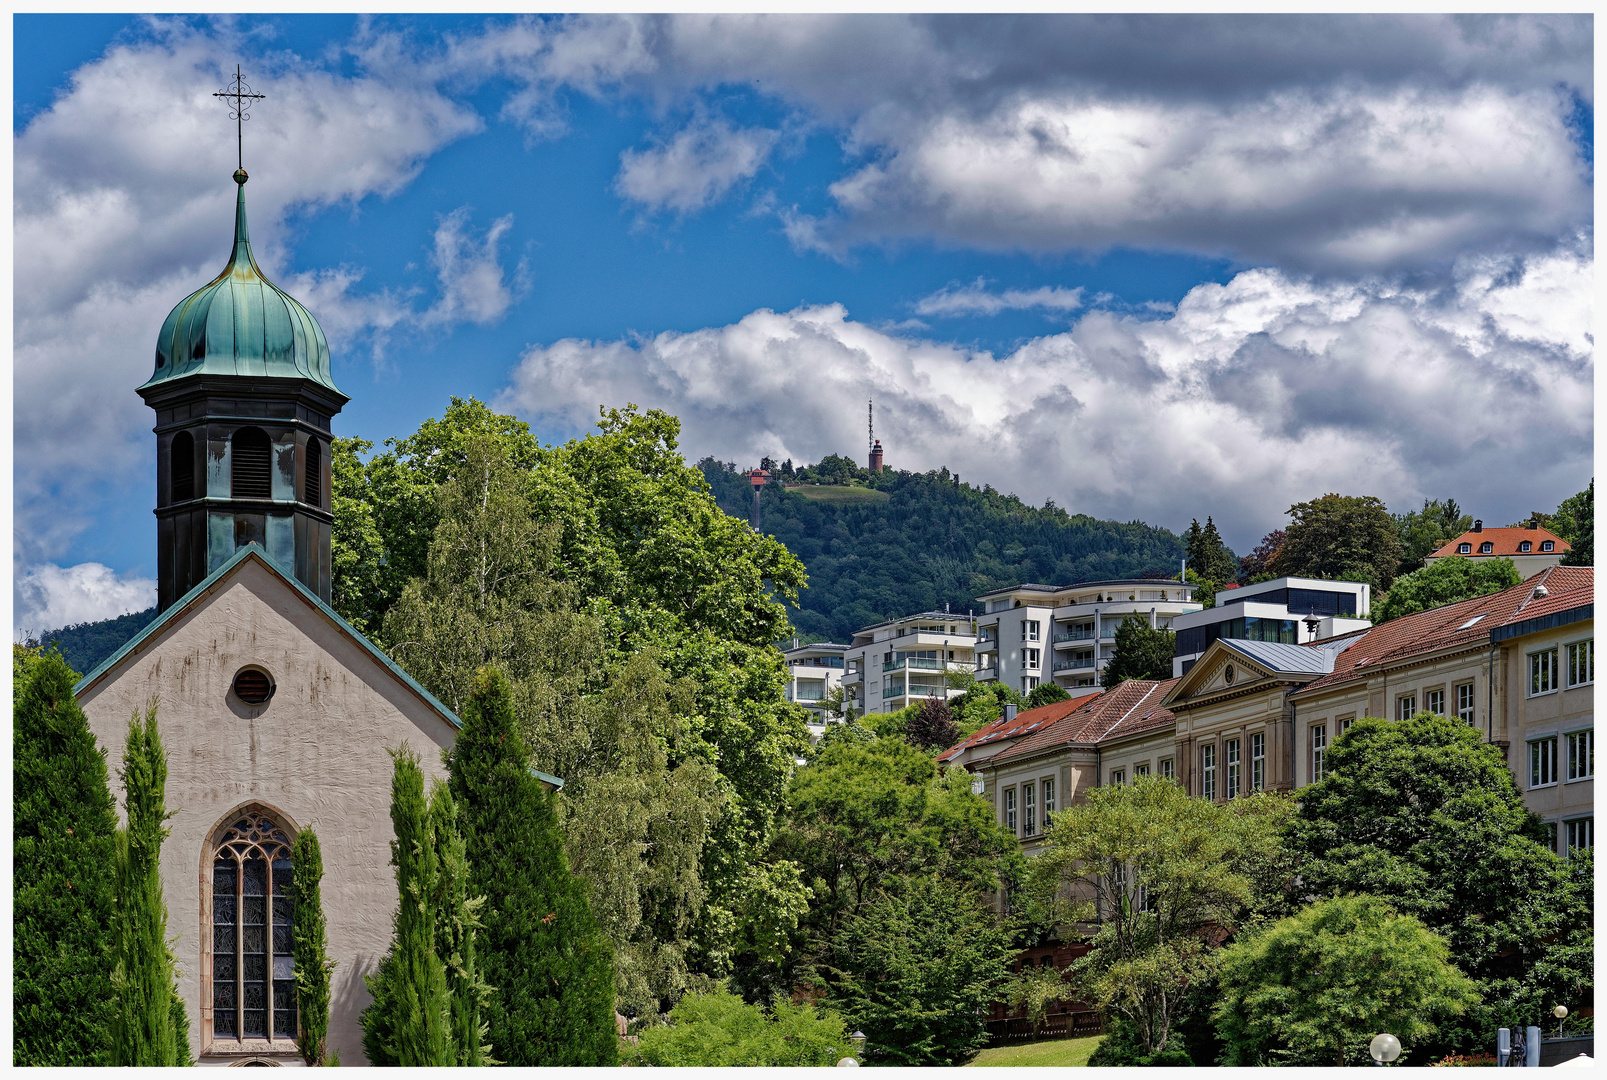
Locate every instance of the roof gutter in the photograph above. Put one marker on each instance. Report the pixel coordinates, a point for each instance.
(1543, 622)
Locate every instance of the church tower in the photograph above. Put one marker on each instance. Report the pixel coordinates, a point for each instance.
(243, 399)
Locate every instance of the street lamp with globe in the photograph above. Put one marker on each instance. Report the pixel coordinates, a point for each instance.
(1384, 1048)
(1561, 1013)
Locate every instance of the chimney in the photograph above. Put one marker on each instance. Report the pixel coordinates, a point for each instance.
(1478, 524)
(876, 456)
(1009, 713)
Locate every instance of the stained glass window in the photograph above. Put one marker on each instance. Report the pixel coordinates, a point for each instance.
(253, 981)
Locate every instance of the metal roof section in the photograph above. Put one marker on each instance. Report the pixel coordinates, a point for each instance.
(1124, 582)
(1295, 659)
(240, 323)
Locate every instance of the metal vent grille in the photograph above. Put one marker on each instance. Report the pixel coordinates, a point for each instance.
(250, 465)
(312, 483)
(253, 687)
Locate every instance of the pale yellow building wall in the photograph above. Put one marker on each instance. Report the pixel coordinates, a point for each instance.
(1556, 713)
(316, 753)
(1261, 712)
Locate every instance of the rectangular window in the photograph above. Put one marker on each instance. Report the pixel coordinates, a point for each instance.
(1258, 762)
(1551, 836)
(1117, 777)
(1165, 767)
(1405, 707)
(1581, 754)
(1030, 657)
(1581, 833)
(1233, 768)
(1543, 762)
(1029, 811)
(1010, 809)
(1208, 771)
(1542, 672)
(1464, 702)
(1029, 683)
(1048, 801)
(1140, 770)
(1582, 662)
(1344, 723)
(1319, 748)
(1434, 702)
(1029, 630)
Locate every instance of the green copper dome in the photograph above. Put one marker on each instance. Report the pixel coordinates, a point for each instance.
(241, 324)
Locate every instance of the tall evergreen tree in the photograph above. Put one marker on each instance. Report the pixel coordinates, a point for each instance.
(149, 1026)
(1141, 652)
(407, 1023)
(63, 872)
(457, 928)
(550, 964)
(310, 947)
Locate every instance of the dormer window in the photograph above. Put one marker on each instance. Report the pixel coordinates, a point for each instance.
(1486, 548)
(1547, 545)
(1525, 546)
(1464, 549)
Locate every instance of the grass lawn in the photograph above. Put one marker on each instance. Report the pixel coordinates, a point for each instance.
(834, 493)
(1062, 1052)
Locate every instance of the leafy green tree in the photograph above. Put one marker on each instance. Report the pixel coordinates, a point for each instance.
(63, 824)
(932, 726)
(1208, 556)
(1257, 566)
(916, 970)
(457, 927)
(408, 1023)
(1313, 989)
(149, 1026)
(1033, 990)
(982, 704)
(1424, 814)
(719, 1030)
(1423, 532)
(310, 947)
(1340, 538)
(1161, 873)
(1445, 581)
(542, 951)
(1141, 652)
(1046, 694)
(1575, 522)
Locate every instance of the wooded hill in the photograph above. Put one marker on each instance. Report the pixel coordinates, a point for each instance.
(902, 542)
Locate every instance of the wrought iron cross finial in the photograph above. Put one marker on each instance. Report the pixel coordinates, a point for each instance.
(240, 98)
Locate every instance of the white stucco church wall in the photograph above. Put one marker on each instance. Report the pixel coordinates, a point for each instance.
(315, 754)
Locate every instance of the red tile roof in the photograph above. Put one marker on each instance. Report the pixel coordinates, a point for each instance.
(1503, 542)
(1131, 707)
(1464, 623)
(1025, 721)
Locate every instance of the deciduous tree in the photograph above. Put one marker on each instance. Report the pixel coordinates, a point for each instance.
(1314, 988)
(1445, 581)
(1423, 532)
(932, 727)
(720, 1030)
(1340, 538)
(1575, 522)
(1140, 652)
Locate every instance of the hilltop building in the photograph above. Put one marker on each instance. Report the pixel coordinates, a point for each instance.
(1030, 633)
(904, 661)
(1530, 547)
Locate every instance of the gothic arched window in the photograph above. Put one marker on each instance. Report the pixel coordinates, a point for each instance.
(253, 976)
(250, 465)
(313, 480)
(182, 459)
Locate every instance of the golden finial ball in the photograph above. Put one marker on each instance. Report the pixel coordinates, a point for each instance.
(240, 176)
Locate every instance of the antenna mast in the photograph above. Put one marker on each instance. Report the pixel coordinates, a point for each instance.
(870, 421)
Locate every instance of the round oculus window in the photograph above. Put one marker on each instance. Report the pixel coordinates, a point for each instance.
(253, 686)
(1227, 674)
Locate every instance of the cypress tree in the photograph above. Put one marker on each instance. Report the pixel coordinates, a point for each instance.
(63, 872)
(410, 1013)
(149, 1026)
(542, 950)
(310, 947)
(457, 927)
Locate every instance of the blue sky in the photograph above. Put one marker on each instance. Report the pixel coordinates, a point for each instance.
(1151, 269)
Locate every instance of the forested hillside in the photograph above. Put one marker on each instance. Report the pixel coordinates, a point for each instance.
(908, 542)
(85, 645)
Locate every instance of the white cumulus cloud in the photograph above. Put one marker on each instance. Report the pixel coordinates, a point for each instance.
(695, 167)
(1254, 394)
(975, 299)
(49, 597)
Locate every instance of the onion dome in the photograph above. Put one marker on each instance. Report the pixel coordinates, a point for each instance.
(241, 323)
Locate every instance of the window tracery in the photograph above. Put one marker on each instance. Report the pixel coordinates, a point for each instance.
(253, 976)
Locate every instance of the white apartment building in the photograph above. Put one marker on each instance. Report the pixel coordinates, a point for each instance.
(814, 671)
(1289, 610)
(901, 661)
(1030, 633)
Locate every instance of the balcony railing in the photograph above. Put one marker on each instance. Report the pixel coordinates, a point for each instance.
(989, 672)
(1074, 665)
(1075, 635)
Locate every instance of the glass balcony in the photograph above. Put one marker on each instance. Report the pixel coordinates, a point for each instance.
(1078, 664)
(1074, 635)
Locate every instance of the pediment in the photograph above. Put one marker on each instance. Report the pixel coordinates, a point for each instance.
(1221, 670)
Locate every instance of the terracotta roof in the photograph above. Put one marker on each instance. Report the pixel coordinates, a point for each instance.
(1025, 721)
(1503, 542)
(1128, 709)
(1461, 624)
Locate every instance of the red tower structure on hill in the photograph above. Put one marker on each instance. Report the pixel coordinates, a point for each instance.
(758, 478)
